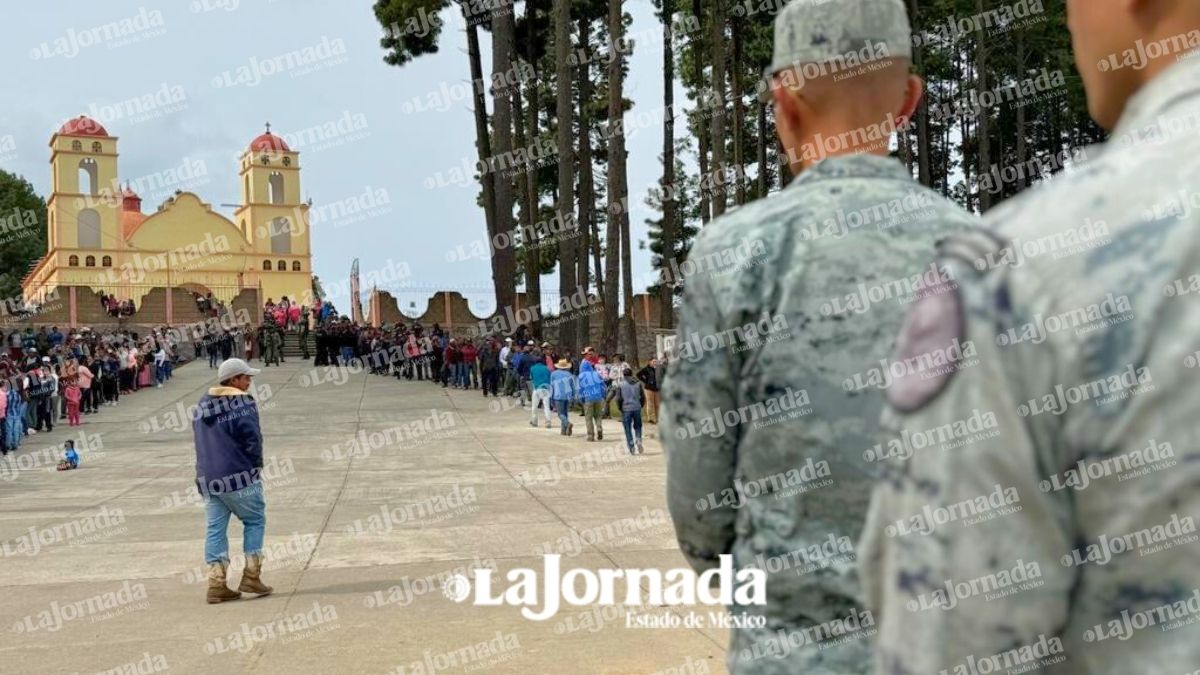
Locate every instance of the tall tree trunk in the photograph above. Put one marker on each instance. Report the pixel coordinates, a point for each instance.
(762, 149)
(483, 146)
(718, 110)
(739, 118)
(583, 230)
(1022, 141)
(504, 268)
(924, 174)
(666, 291)
(618, 212)
(698, 52)
(533, 254)
(984, 128)
(587, 190)
(565, 206)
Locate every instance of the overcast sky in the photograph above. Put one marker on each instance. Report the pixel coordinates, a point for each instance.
(212, 66)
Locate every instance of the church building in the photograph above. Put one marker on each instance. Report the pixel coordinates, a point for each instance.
(100, 237)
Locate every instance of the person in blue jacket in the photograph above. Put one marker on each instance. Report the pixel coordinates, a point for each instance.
(564, 389)
(229, 463)
(591, 390)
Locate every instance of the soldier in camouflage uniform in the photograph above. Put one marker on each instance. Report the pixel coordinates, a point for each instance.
(1042, 498)
(273, 340)
(793, 299)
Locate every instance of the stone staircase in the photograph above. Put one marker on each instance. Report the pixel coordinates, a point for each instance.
(292, 347)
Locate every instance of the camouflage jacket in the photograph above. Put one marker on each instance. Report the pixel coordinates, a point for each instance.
(790, 303)
(1042, 496)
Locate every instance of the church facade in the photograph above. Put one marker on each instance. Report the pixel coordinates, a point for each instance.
(100, 238)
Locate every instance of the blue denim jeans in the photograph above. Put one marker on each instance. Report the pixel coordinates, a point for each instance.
(160, 373)
(250, 508)
(632, 421)
(563, 407)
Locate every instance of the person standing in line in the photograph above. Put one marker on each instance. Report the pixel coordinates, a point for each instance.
(539, 377)
(160, 366)
(73, 396)
(229, 462)
(564, 389)
(800, 393)
(1088, 466)
(630, 397)
(648, 376)
(591, 391)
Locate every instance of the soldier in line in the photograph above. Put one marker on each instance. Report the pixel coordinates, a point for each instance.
(786, 331)
(271, 339)
(304, 332)
(1071, 491)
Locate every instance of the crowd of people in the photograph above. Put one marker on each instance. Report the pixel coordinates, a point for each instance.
(117, 308)
(538, 375)
(48, 376)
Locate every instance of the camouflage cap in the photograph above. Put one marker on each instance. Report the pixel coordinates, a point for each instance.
(821, 31)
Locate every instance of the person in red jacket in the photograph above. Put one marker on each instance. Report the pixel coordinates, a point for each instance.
(470, 373)
(451, 362)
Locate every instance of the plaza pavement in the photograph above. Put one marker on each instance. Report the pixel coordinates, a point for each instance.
(481, 488)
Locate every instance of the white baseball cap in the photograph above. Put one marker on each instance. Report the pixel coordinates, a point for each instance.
(234, 367)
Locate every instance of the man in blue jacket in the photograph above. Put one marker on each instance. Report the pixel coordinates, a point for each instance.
(229, 462)
(591, 390)
(563, 391)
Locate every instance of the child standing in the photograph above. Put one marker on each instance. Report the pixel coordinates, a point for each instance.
(73, 395)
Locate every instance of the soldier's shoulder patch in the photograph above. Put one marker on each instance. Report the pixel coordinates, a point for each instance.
(926, 349)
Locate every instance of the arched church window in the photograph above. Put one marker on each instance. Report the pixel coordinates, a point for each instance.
(275, 187)
(96, 147)
(106, 261)
(89, 261)
(281, 266)
(88, 176)
(266, 265)
(73, 261)
(295, 265)
(76, 146)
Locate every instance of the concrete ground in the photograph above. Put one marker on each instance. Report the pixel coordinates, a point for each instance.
(377, 490)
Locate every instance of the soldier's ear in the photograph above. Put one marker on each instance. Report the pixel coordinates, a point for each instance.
(913, 92)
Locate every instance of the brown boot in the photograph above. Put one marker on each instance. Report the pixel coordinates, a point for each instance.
(251, 581)
(217, 590)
